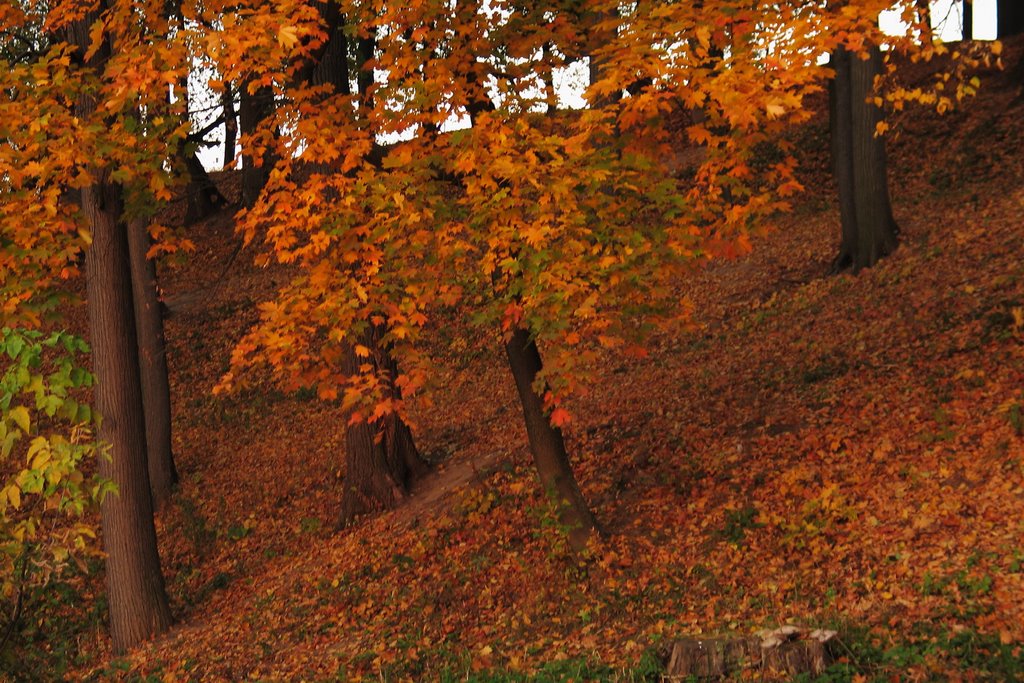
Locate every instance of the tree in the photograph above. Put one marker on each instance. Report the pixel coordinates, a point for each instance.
(547, 443)
(138, 603)
(381, 459)
(562, 232)
(869, 230)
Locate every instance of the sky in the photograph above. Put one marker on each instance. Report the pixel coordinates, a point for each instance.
(570, 82)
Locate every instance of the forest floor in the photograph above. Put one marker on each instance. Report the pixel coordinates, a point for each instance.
(837, 451)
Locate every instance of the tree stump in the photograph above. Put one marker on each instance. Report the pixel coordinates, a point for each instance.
(789, 650)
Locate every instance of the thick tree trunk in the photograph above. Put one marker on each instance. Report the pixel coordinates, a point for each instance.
(156, 390)
(547, 444)
(381, 459)
(1009, 17)
(869, 231)
(135, 586)
(253, 109)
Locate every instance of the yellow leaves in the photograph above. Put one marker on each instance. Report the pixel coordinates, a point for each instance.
(11, 494)
(38, 453)
(703, 33)
(20, 416)
(774, 110)
(287, 36)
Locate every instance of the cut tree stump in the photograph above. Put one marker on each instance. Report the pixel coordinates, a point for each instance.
(789, 650)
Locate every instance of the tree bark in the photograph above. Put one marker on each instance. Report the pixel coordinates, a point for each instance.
(547, 444)
(381, 459)
(1009, 18)
(967, 32)
(156, 390)
(869, 231)
(230, 125)
(253, 108)
(135, 586)
(202, 198)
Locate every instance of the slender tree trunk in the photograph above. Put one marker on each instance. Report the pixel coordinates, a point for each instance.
(135, 585)
(869, 231)
(547, 444)
(1009, 17)
(968, 20)
(156, 390)
(381, 459)
(227, 101)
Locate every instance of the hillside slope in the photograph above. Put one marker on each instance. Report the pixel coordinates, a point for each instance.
(834, 450)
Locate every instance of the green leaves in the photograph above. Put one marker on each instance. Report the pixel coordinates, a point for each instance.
(48, 430)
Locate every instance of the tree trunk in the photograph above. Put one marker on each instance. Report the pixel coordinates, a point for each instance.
(869, 231)
(202, 198)
(1009, 18)
(547, 444)
(227, 101)
(156, 390)
(135, 586)
(366, 51)
(967, 32)
(254, 108)
(381, 459)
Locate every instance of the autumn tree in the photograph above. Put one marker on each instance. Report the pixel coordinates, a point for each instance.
(138, 602)
(559, 233)
(335, 75)
(89, 144)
